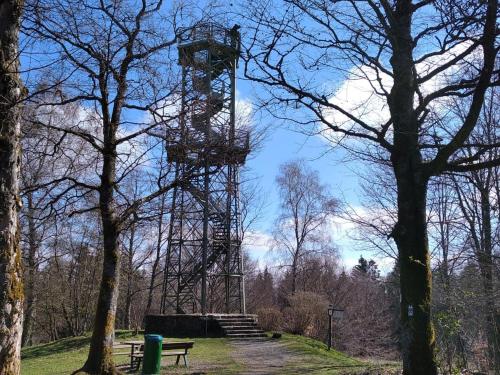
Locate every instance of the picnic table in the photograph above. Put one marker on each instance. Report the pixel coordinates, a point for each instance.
(136, 346)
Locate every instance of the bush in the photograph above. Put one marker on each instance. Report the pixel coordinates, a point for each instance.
(306, 314)
(276, 335)
(270, 318)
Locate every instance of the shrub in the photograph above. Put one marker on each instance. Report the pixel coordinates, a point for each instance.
(270, 318)
(276, 335)
(306, 314)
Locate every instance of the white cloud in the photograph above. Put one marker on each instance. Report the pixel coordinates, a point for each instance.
(244, 113)
(362, 93)
(257, 242)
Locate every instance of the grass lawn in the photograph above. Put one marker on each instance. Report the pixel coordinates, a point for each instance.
(211, 356)
(66, 355)
(315, 358)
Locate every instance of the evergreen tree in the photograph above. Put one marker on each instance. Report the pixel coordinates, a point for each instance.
(362, 265)
(368, 268)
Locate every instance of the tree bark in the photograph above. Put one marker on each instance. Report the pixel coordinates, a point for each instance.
(410, 232)
(100, 359)
(486, 266)
(11, 287)
(417, 332)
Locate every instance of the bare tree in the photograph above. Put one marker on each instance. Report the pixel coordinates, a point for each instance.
(107, 59)
(46, 157)
(138, 246)
(76, 262)
(448, 253)
(365, 330)
(162, 211)
(11, 286)
(410, 57)
(34, 168)
(378, 214)
(477, 193)
(306, 206)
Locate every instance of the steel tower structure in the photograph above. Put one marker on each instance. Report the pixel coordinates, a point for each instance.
(203, 271)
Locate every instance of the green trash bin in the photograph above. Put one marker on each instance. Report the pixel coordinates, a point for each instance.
(152, 354)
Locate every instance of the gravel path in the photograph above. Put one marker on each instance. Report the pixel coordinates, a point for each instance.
(261, 356)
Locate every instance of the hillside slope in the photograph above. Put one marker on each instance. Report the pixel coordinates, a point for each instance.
(289, 355)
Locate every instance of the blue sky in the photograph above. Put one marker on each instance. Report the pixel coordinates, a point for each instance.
(283, 144)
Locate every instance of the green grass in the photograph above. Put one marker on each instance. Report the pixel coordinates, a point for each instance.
(211, 356)
(62, 356)
(313, 357)
(67, 355)
(208, 356)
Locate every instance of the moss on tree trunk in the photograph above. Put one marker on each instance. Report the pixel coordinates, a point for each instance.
(11, 287)
(100, 358)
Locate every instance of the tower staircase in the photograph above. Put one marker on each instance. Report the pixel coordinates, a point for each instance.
(239, 326)
(219, 243)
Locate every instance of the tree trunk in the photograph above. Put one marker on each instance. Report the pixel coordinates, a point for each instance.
(130, 274)
(30, 310)
(156, 263)
(294, 274)
(486, 266)
(410, 234)
(100, 359)
(11, 287)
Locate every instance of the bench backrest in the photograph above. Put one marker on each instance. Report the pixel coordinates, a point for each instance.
(177, 345)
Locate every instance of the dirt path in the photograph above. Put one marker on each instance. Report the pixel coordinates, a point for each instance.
(261, 356)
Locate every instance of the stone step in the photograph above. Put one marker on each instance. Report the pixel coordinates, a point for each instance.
(238, 331)
(227, 321)
(245, 335)
(234, 316)
(237, 323)
(239, 326)
(246, 326)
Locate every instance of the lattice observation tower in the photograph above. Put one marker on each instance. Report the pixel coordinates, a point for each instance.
(203, 271)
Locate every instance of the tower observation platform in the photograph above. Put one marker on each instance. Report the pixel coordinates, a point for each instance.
(203, 270)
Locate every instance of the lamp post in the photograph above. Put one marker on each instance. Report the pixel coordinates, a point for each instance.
(332, 312)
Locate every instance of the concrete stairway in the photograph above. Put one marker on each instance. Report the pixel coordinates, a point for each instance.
(240, 326)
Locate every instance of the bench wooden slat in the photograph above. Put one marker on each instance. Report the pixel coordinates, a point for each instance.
(177, 345)
(121, 346)
(164, 354)
(173, 353)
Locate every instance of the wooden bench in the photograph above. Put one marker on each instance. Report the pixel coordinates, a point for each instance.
(168, 349)
(125, 350)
